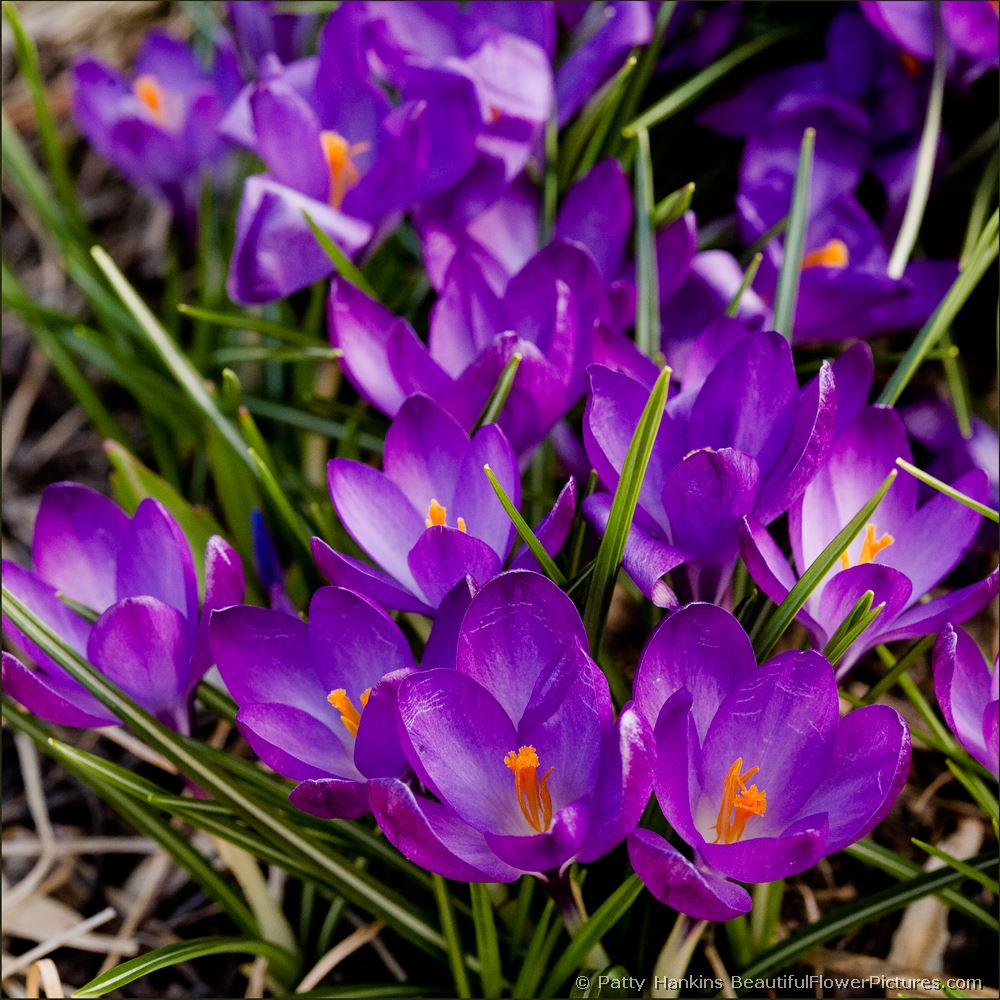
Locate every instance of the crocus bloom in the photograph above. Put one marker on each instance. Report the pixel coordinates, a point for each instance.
(741, 438)
(134, 574)
(890, 557)
(161, 127)
(260, 30)
(430, 518)
(316, 701)
(755, 769)
(967, 691)
(517, 744)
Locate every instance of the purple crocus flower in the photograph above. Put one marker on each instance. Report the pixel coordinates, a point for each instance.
(891, 557)
(430, 518)
(741, 438)
(259, 30)
(517, 744)
(160, 129)
(316, 701)
(755, 769)
(136, 576)
(967, 691)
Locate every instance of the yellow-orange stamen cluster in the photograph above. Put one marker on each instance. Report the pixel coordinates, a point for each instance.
(338, 154)
(739, 803)
(870, 547)
(149, 91)
(437, 516)
(532, 795)
(349, 715)
(833, 253)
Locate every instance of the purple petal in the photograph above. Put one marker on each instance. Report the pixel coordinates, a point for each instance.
(677, 758)
(78, 534)
(853, 375)
(972, 29)
(442, 643)
(432, 836)
(766, 859)
(548, 851)
(675, 249)
(53, 697)
(847, 586)
(868, 767)
(517, 626)
(475, 499)
(331, 798)
(552, 530)
(991, 732)
(700, 648)
(377, 751)
(675, 881)
(224, 587)
(443, 557)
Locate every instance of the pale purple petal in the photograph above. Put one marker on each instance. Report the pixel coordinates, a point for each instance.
(443, 557)
(53, 697)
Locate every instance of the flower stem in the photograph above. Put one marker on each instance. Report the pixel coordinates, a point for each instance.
(673, 960)
(565, 894)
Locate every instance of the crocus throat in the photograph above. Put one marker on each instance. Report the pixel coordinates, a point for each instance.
(343, 172)
(437, 516)
(870, 547)
(739, 803)
(349, 715)
(532, 795)
(150, 93)
(833, 253)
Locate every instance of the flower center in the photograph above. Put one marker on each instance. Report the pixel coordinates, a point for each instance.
(437, 516)
(739, 803)
(532, 795)
(870, 547)
(833, 253)
(349, 715)
(150, 93)
(343, 172)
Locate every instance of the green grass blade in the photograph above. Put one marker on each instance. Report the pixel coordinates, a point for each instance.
(490, 972)
(536, 958)
(280, 961)
(751, 272)
(959, 865)
(590, 933)
(550, 180)
(449, 927)
(671, 208)
(950, 491)
(854, 915)
(498, 397)
(244, 321)
(901, 666)
(795, 599)
(647, 319)
(680, 98)
(860, 618)
(524, 530)
(344, 266)
(940, 320)
(787, 291)
(612, 547)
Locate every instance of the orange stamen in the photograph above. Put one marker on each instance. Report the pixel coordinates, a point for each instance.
(910, 63)
(740, 800)
(532, 795)
(833, 253)
(343, 172)
(870, 547)
(349, 715)
(437, 516)
(148, 91)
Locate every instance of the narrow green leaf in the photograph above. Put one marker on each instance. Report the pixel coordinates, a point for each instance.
(647, 318)
(857, 621)
(536, 958)
(680, 98)
(285, 355)
(901, 666)
(982, 796)
(290, 517)
(590, 933)
(982, 258)
(449, 928)
(950, 491)
(310, 422)
(550, 179)
(859, 913)
(524, 530)
(796, 598)
(498, 397)
(244, 321)
(923, 169)
(959, 865)
(344, 265)
(280, 961)
(671, 208)
(751, 272)
(901, 868)
(612, 547)
(787, 292)
(490, 973)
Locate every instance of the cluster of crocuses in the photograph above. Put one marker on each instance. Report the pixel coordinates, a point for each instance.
(498, 750)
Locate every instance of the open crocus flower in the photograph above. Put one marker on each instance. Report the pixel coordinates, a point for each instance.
(890, 557)
(967, 691)
(136, 577)
(161, 127)
(316, 701)
(431, 518)
(259, 29)
(741, 438)
(755, 769)
(517, 744)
